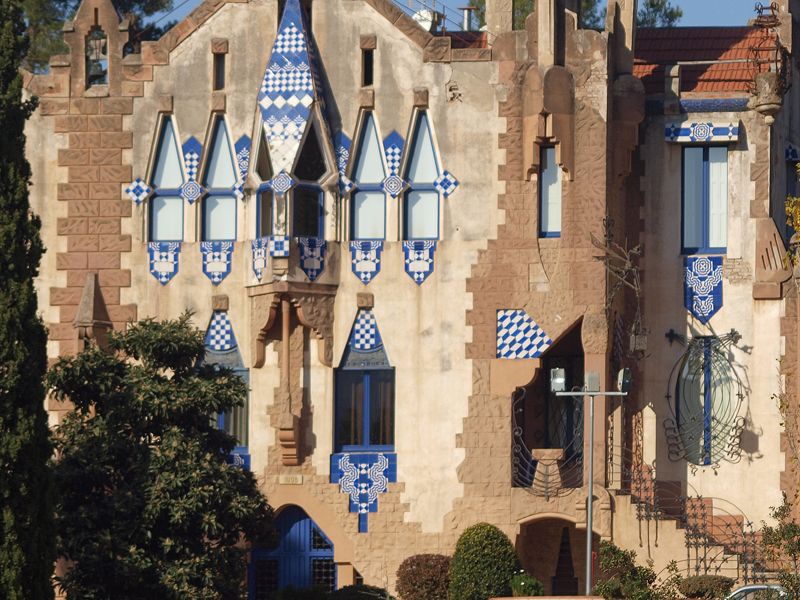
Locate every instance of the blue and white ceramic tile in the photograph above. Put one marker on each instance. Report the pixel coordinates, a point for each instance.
(393, 147)
(260, 248)
(312, 256)
(519, 336)
(279, 246)
(703, 286)
(366, 259)
(446, 184)
(138, 191)
(362, 476)
(419, 259)
(242, 147)
(341, 144)
(219, 335)
(281, 183)
(164, 260)
(191, 190)
(216, 260)
(701, 132)
(365, 336)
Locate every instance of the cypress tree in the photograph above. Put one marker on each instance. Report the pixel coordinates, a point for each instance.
(27, 548)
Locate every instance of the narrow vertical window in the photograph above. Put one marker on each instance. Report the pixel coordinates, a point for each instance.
(549, 193)
(705, 199)
(367, 66)
(307, 197)
(421, 202)
(368, 203)
(166, 205)
(264, 209)
(219, 206)
(96, 56)
(219, 71)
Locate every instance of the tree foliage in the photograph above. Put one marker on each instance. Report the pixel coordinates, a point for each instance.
(483, 564)
(148, 507)
(781, 544)
(26, 544)
(620, 577)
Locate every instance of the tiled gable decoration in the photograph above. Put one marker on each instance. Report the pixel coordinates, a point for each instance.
(242, 148)
(362, 476)
(393, 149)
(164, 260)
(685, 133)
(365, 337)
(366, 259)
(519, 336)
(703, 286)
(191, 190)
(312, 256)
(219, 335)
(216, 260)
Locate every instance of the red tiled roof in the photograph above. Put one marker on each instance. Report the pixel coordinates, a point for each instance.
(656, 48)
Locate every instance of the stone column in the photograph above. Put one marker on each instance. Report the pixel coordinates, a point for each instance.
(499, 16)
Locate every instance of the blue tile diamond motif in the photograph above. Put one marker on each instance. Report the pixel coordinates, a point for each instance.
(393, 185)
(164, 260)
(192, 150)
(393, 147)
(312, 256)
(287, 90)
(279, 246)
(446, 183)
(281, 183)
(242, 147)
(260, 250)
(519, 336)
(364, 336)
(703, 286)
(216, 260)
(419, 259)
(138, 191)
(341, 144)
(362, 476)
(191, 191)
(366, 259)
(219, 335)
(701, 132)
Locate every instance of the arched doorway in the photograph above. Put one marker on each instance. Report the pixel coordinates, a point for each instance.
(301, 558)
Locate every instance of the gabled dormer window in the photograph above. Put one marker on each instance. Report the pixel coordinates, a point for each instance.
(166, 204)
(421, 200)
(219, 205)
(368, 202)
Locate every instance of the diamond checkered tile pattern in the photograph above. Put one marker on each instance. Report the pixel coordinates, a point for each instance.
(279, 245)
(519, 336)
(192, 149)
(365, 336)
(290, 41)
(138, 191)
(393, 148)
(446, 184)
(219, 335)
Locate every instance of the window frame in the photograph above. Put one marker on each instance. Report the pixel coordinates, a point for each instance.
(366, 187)
(412, 186)
(550, 233)
(264, 188)
(365, 411)
(217, 120)
(241, 446)
(705, 247)
(309, 185)
(165, 192)
(204, 216)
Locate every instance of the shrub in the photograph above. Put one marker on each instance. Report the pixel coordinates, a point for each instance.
(483, 564)
(525, 584)
(424, 577)
(706, 586)
(360, 592)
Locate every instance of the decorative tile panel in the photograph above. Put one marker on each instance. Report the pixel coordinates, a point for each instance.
(701, 132)
(792, 153)
(260, 249)
(519, 336)
(239, 459)
(419, 259)
(192, 150)
(393, 147)
(365, 336)
(279, 246)
(703, 286)
(362, 476)
(219, 335)
(366, 259)
(164, 260)
(216, 260)
(242, 148)
(446, 183)
(281, 183)
(341, 144)
(138, 191)
(393, 185)
(312, 256)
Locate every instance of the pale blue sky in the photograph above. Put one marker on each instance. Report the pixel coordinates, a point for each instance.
(695, 12)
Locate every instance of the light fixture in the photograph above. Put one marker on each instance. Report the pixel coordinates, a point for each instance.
(558, 380)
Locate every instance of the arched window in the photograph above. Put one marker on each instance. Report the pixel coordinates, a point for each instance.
(166, 204)
(264, 196)
(96, 56)
(219, 205)
(421, 200)
(368, 203)
(307, 197)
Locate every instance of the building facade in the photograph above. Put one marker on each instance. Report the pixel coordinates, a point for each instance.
(395, 233)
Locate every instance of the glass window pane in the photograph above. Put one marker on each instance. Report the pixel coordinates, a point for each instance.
(221, 170)
(265, 213)
(422, 215)
(311, 162)
(369, 216)
(718, 197)
(219, 218)
(550, 192)
(369, 165)
(263, 164)
(306, 216)
(349, 409)
(692, 198)
(166, 219)
(381, 408)
(168, 172)
(423, 167)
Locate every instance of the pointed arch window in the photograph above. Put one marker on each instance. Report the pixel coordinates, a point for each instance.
(421, 200)
(307, 196)
(265, 199)
(166, 204)
(368, 202)
(219, 206)
(96, 56)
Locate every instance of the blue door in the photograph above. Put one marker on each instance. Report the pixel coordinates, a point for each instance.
(302, 558)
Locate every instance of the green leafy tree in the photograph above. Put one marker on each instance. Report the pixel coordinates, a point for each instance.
(148, 507)
(26, 533)
(658, 13)
(483, 564)
(781, 544)
(620, 577)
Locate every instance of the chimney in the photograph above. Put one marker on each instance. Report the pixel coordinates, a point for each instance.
(499, 16)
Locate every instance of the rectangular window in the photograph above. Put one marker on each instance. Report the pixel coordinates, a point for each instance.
(219, 218)
(307, 212)
(166, 219)
(369, 216)
(234, 422)
(264, 213)
(549, 193)
(422, 215)
(705, 199)
(219, 71)
(367, 66)
(364, 409)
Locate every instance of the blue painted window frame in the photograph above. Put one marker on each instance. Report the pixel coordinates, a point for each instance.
(240, 448)
(306, 185)
(552, 233)
(708, 399)
(421, 186)
(365, 411)
(219, 122)
(169, 192)
(204, 228)
(366, 187)
(705, 248)
(259, 232)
